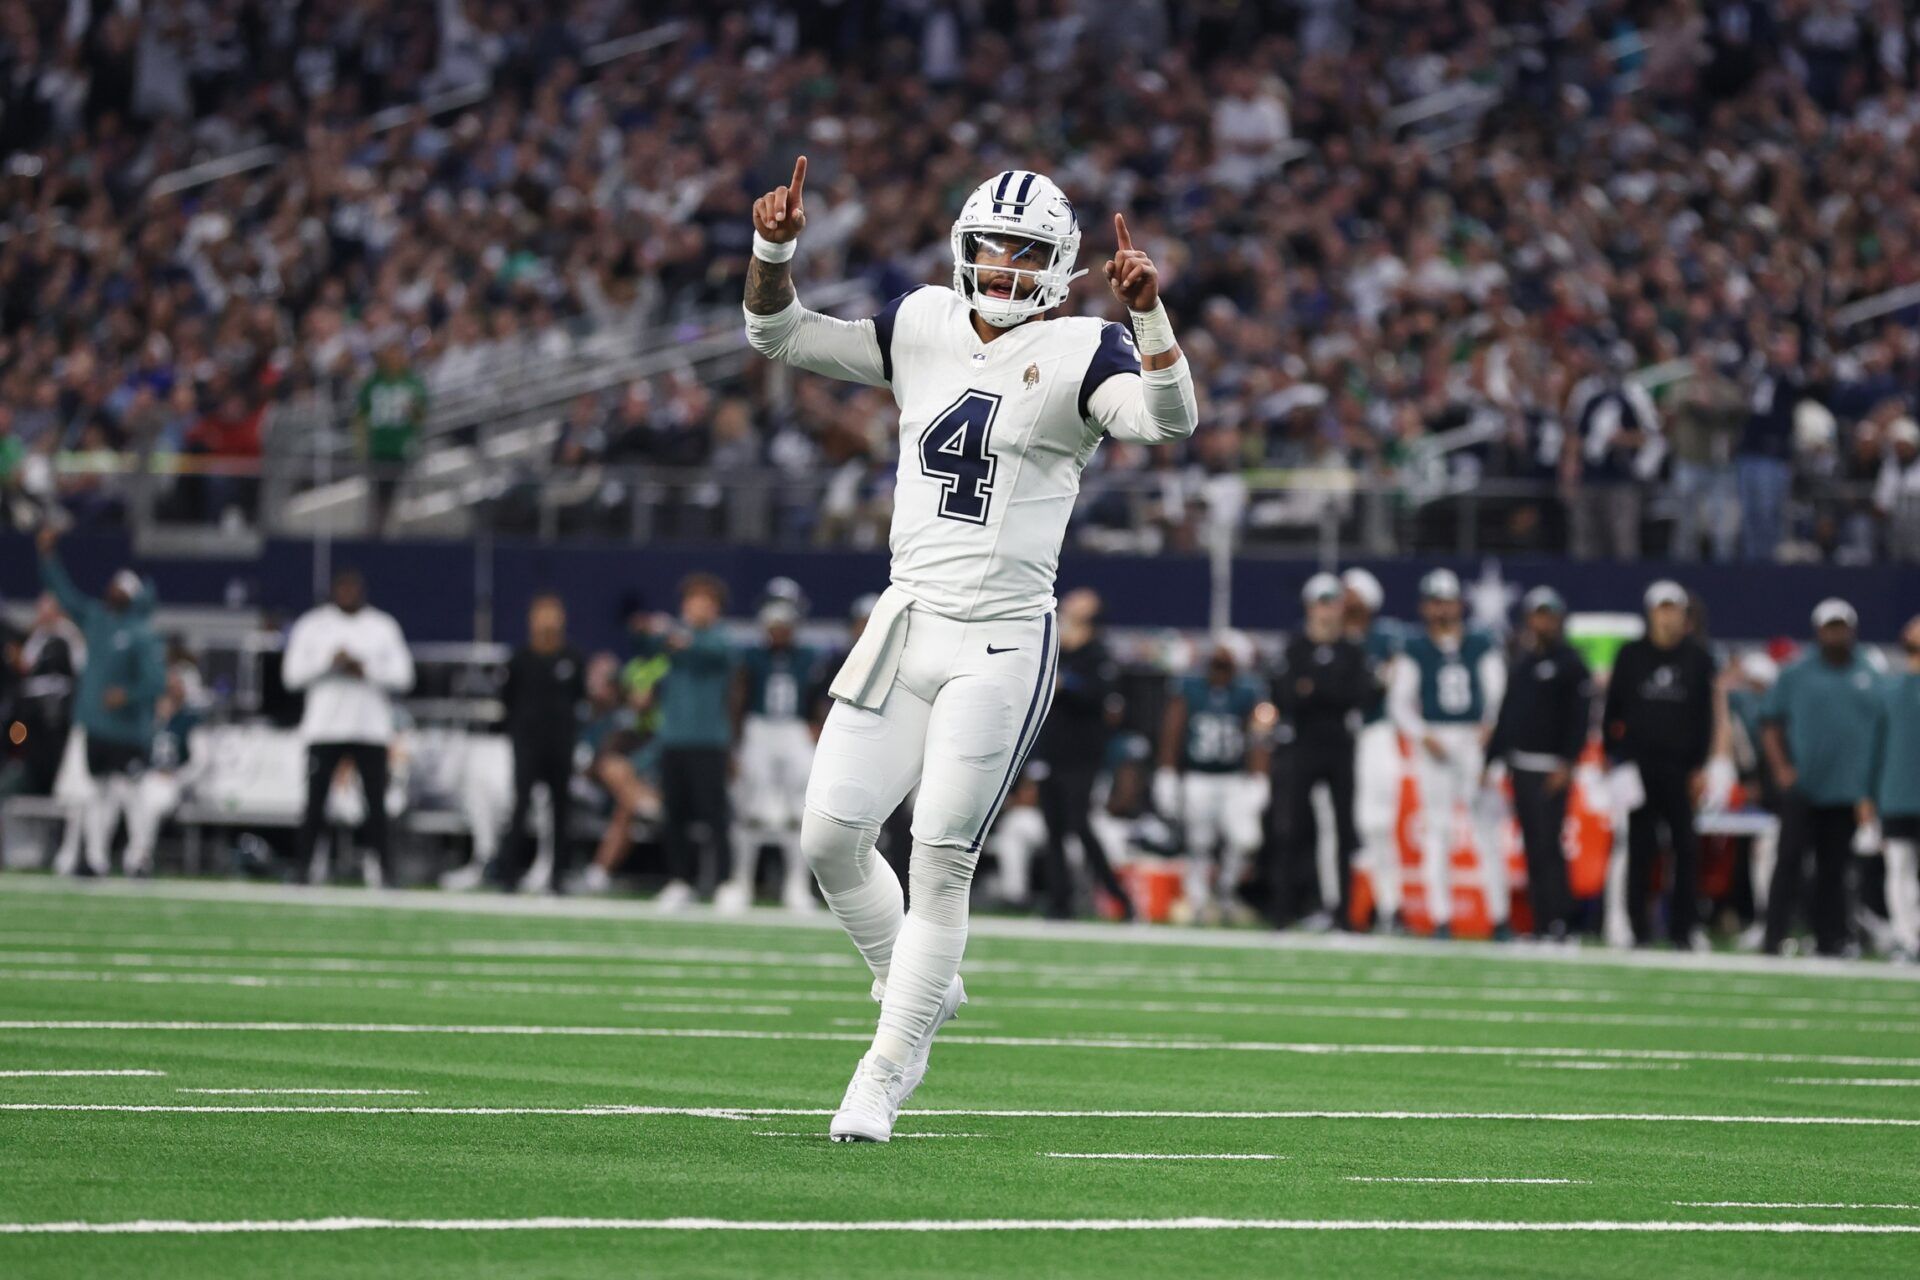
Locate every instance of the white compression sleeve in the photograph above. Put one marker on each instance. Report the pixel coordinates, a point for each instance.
(819, 343)
(1157, 406)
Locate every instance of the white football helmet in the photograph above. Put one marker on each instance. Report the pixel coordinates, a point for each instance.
(1017, 204)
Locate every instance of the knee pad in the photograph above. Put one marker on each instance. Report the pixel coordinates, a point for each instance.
(837, 852)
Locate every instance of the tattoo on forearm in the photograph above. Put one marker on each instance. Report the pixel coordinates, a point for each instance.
(769, 286)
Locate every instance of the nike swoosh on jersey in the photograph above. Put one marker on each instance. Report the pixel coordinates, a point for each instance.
(1009, 649)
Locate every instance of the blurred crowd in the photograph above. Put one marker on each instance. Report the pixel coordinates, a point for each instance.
(1408, 242)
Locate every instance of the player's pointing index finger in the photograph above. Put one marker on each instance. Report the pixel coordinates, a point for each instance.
(799, 176)
(1120, 232)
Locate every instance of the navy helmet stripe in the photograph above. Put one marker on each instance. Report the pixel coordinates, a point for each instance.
(1026, 185)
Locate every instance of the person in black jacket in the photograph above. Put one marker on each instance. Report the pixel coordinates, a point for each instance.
(546, 683)
(1073, 747)
(1659, 718)
(1543, 725)
(1323, 681)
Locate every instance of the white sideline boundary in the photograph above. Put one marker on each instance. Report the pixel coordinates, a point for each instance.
(22, 1075)
(180, 1227)
(989, 927)
(1012, 1042)
(617, 1110)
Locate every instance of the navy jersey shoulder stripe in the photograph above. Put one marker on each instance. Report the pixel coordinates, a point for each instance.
(883, 330)
(1115, 354)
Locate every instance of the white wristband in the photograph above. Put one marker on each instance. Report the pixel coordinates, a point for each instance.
(1152, 331)
(767, 251)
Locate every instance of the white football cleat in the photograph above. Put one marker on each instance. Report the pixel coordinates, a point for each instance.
(916, 1069)
(798, 898)
(677, 896)
(591, 879)
(465, 879)
(732, 898)
(871, 1103)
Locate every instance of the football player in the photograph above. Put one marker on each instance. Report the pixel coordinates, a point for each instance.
(1213, 778)
(776, 751)
(1445, 696)
(1000, 409)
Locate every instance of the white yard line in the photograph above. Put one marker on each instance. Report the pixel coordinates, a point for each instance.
(1783, 1204)
(145, 894)
(1153, 1155)
(735, 1010)
(742, 1113)
(1335, 1012)
(1503, 1182)
(757, 966)
(784, 1133)
(17, 1075)
(330, 1093)
(1603, 1066)
(1015, 1042)
(1859, 1082)
(922, 1225)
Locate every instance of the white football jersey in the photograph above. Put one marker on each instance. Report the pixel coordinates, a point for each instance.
(993, 437)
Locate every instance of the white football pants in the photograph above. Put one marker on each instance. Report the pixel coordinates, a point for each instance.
(1446, 785)
(1378, 770)
(964, 708)
(1220, 818)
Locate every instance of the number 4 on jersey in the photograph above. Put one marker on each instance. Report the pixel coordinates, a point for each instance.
(954, 451)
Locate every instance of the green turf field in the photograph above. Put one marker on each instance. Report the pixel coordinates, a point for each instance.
(657, 1091)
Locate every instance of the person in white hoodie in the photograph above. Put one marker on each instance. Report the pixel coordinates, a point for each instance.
(350, 659)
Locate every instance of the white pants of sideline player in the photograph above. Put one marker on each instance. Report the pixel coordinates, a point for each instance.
(146, 801)
(769, 796)
(965, 705)
(1220, 817)
(1378, 771)
(1447, 784)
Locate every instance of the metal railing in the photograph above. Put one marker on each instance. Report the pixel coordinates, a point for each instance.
(514, 490)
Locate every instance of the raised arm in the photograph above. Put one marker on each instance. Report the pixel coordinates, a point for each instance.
(1157, 405)
(778, 327)
(53, 576)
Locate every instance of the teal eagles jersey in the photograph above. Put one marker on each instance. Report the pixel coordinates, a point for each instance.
(778, 681)
(1450, 691)
(1898, 756)
(1217, 723)
(172, 741)
(1382, 644)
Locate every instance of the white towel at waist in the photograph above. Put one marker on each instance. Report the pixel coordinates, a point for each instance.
(868, 672)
